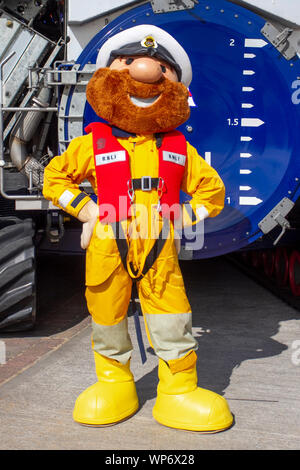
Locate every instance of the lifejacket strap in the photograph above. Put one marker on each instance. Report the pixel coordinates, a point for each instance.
(135, 313)
(121, 241)
(153, 253)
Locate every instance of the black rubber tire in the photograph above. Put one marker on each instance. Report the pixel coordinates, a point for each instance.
(17, 275)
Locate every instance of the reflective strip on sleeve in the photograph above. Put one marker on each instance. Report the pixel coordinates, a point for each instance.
(78, 200)
(202, 213)
(65, 198)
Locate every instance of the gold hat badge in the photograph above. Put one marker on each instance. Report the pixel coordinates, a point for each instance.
(149, 41)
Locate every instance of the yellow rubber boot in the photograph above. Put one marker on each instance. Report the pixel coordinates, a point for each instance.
(110, 400)
(181, 404)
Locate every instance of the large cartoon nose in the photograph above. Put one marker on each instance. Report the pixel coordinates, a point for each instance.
(145, 69)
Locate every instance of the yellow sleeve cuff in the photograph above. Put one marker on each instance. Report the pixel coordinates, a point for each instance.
(72, 201)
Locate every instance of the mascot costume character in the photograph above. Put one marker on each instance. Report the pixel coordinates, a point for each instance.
(137, 163)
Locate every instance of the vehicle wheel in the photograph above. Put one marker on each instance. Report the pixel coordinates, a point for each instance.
(17, 274)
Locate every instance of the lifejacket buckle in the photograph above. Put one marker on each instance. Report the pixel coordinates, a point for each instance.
(146, 183)
(130, 191)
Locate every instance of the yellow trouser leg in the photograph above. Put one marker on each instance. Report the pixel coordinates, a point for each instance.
(180, 403)
(113, 398)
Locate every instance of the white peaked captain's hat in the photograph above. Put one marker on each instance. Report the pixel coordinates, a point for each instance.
(151, 40)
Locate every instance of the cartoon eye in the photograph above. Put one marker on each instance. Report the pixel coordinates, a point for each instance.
(163, 69)
(129, 61)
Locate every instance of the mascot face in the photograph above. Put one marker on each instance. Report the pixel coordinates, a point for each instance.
(139, 94)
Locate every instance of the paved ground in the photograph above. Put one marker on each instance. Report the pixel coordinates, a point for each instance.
(249, 351)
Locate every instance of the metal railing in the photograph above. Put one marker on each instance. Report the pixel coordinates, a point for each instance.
(2, 160)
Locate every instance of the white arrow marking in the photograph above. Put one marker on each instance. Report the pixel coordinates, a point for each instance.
(251, 122)
(247, 105)
(249, 201)
(207, 157)
(255, 43)
(245, 138)
(249, 56)
(245, 155)
(245, 172)
(245, 188)
(248, 72)
(248, 88)
(191, 101)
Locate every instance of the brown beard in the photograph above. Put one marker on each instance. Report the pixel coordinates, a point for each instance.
(109, 91)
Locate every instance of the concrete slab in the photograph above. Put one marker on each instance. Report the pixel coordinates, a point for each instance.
(249, 351)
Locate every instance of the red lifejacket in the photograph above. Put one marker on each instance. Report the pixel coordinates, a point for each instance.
(114, 176)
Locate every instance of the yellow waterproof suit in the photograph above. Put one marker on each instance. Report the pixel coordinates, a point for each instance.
(164, 303)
